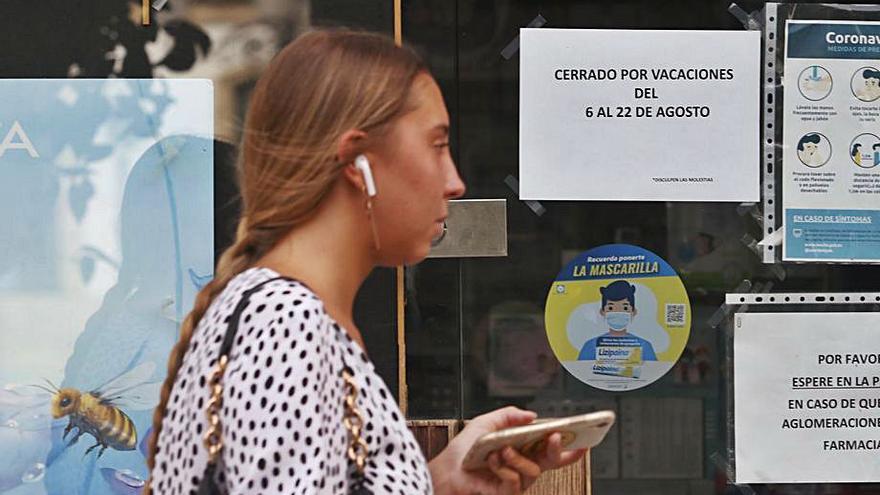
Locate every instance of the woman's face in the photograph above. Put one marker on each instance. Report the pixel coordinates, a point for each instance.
(415, 177)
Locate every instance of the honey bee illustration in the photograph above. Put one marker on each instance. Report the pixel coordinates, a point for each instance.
(99, 413)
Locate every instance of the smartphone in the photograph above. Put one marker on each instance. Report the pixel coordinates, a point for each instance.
(583, 431)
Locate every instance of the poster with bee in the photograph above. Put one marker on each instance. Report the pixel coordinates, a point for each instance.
(106, 191)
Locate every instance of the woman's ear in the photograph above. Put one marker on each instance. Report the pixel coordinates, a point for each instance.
(354, 177)
(350, 145)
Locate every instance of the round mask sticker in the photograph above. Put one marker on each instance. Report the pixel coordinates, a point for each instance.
(618, 317)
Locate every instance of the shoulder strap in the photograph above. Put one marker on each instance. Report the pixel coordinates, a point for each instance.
(213, 436)
(235, 317)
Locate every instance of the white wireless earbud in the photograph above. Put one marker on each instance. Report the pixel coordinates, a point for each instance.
(361, 163)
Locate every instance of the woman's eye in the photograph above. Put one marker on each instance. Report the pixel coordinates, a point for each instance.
(442, 145)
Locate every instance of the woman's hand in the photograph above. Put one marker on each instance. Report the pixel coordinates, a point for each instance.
(509, 471)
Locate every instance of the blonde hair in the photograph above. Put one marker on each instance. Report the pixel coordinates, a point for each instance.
(321, 85)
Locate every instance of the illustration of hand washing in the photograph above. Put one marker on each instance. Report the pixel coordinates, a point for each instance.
(815, 83)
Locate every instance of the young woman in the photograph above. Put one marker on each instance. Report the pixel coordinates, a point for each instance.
(344, 166)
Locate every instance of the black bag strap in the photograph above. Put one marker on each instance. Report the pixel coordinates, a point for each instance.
(235, 317)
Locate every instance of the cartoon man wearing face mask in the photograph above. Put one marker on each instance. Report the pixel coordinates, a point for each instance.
(618, 309)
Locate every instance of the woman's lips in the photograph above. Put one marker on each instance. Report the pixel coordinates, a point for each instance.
(439, 227)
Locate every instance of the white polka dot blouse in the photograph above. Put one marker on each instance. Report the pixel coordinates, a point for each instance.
(282, 403)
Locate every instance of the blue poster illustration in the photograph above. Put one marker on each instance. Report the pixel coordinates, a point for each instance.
(106, 188)
(831, 146)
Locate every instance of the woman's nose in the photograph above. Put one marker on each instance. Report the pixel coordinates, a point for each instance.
(455, 187)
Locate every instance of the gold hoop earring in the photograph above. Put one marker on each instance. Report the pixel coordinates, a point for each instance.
(369, 208)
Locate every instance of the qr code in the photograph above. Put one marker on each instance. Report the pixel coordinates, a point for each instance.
(675, 315)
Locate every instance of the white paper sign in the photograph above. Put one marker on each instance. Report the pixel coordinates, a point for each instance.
(807, 397)
(639, 115)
